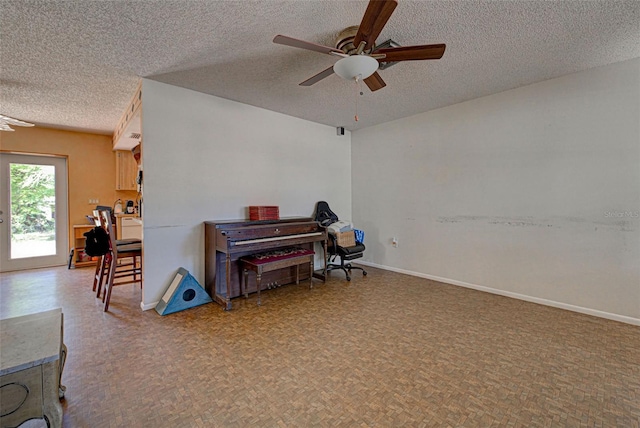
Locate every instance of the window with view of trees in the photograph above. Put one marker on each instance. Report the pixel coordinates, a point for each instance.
(32, 208)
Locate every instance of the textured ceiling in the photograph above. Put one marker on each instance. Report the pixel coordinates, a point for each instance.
(76, 64)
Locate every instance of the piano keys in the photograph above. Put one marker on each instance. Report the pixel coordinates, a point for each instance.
(227, 241)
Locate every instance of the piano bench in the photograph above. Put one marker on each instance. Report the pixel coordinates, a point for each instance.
(274, 260)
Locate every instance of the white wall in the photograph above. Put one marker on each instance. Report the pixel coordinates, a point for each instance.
(207, 158)
(533, 192)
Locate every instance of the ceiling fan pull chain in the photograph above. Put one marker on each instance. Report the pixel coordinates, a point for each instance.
(357, 90)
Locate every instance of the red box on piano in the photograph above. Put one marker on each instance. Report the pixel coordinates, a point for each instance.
(264, 213)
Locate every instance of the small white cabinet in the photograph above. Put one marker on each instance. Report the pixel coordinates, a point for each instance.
(31, 364)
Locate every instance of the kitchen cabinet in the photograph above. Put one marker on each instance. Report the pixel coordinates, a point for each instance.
(126, 170)
(80, 258)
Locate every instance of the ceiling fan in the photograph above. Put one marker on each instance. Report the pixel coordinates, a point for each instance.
(360, 57)
(5, 121)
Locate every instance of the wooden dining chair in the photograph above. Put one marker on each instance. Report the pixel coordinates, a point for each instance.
(102, 267)
(122, 264)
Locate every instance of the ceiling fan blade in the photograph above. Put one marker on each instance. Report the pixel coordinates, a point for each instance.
(318, 77)
(12, 121)
(375, 82)
(411, 53)
(290, 41)
(375, 17)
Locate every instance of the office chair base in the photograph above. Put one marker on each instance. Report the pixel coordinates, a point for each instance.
(346, 268)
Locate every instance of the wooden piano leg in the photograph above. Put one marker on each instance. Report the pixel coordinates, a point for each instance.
(259, 284)
(227, 299)
(245, 283)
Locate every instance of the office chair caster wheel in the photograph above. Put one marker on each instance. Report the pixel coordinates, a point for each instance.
(348, 278)
(364, 273)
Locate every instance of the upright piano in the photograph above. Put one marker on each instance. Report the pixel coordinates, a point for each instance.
(226, 241)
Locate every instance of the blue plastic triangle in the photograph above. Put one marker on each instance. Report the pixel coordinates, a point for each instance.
(184, 292)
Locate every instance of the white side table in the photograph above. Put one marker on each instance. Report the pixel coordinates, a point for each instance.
(32, 357)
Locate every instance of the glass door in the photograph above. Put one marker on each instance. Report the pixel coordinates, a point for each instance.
(33, 211)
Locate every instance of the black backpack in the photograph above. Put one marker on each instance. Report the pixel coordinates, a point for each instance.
(97, 242)
(324, 215)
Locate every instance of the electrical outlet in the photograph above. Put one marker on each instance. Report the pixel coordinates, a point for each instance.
(394, 242)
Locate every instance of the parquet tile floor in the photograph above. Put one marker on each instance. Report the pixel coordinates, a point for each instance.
(386, 350)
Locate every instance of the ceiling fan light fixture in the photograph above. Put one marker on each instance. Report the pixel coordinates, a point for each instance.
(355, 66)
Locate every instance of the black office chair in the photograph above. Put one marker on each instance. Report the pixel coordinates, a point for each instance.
(325, 217)
(346, 254)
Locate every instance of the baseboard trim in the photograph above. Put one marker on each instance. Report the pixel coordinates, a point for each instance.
(146, 307)
(552, 303)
